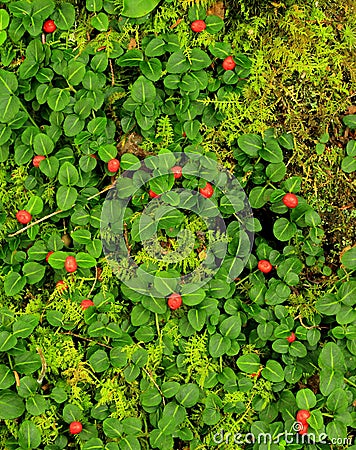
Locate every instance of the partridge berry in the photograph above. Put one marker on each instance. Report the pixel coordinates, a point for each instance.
(229, 63)
(113, 165)
(174, 301)
(37, 159)
(264, 266)
(70, 264)
(290, 200)
(49, 26)
(86, 303)
(152, 194)
(75, 428)
(292, 337)
(23, 216)
(177, 172)
(207, 191)
(198, 26)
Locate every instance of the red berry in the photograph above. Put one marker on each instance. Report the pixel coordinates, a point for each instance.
(86, 303)
(70, 264)
(229, 63)
(174, 301)
(75, 428)
(177, 172)
(207, 191)
(113, 165)
(292, 337)
(290, 200)
(23, 216)
(61, 285)
(303, 429)
(49, 26)
(37, 159)
(152, 194)
(264, 266)
(48, 255)
(257, 375)
(198, 25)
(303, 415)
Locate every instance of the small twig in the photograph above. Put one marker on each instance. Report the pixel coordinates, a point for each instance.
(17, 378)
(69, 333)
(156, 385)
(44, 366)
(35, 223)
(95, 280)
(176, 24)
(56, 212)
(303, 325)
(112, 73)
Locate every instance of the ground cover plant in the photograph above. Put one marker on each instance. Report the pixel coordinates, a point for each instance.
(177, 224)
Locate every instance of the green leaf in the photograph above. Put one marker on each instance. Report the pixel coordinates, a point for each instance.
(330, 380)
(348, 164)
(271, 151)
(85, 261)
(100, 22)
(7, 378)
(99, 361)
(66, 197)
(75, 72)
(143, 90)
(214, 24)
(177, 63)
(4, 19)
(14, 283)
(276, 172)
(188, 395)
(138, 8)
(194, 298)
(24, 325)
(27, 362)
(305, 399)
(112, 428)
(7, 341)
(331, 357)
(73, 125)
(156, 47)
(94, 5)
(350, 121)
(284, 230)
(42, 144)
(251, 144)
(231, 327)
(68, 174)
(34, 205)
(131, 58)
(34, 272)
(248, 363)
(49, 166)
(218, 345)
(273, 372)
(11, 405)
(72, 413)
(197, 318)
(36, 405)
(337, 401)
(258, 197)
(152, 69)
(199, 59)
(65, 16)
(348, 259)
(58, 99)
